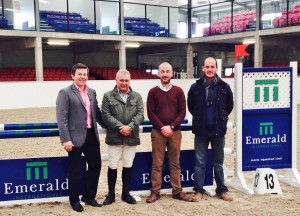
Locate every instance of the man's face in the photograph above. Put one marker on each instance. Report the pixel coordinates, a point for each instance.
(165, 73)
(209, 68)
(123, 82)
(80, 77)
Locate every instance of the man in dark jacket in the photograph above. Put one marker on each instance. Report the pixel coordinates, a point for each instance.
(210, 101)
(123, 112)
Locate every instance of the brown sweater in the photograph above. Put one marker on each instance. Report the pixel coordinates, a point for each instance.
(166, 108)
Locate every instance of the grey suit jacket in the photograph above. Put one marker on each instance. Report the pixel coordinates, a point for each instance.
(71, 115)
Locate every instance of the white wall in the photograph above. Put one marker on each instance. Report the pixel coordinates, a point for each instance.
(43, 94)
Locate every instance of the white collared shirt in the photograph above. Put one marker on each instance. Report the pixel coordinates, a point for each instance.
(125, 96)
(165, 89)
(87, 103)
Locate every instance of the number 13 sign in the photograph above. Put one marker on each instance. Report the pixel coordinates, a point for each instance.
(266, 181)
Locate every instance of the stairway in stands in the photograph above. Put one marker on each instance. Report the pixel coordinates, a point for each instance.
(44, 26)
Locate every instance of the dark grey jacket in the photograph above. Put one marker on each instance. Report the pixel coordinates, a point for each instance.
(116, 113)
(71, 115)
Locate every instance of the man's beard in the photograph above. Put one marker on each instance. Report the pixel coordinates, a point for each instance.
(165, 81)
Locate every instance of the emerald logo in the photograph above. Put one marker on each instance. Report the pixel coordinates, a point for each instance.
(266, 128)
(266, 131)
(265, 84)
(38, 168)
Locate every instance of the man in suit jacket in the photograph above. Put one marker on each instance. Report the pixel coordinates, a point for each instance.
(77, 115)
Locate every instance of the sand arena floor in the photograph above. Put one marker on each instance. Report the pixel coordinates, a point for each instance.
(270, 204)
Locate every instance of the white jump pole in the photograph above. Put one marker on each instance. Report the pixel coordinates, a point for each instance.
(238, 182)
(292, 177)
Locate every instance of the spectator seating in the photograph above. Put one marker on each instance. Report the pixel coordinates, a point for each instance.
(62, 21)
(3, 22)
(142, 26)
(243, 21)
(59, 73)
(63, 73)
(14, 74)
(17, 74)
(56, 73)
(109, 73)
(292, 18)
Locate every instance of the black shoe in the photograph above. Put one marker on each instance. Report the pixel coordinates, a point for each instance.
(128, 198)
(77, 207)
(91, 202)
(110, 198)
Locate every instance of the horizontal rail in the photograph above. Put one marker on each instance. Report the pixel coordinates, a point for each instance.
(54, 132)
(53, 125)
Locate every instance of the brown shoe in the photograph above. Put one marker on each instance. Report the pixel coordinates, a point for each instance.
(197, 197)
(182, 196)
(153, 197)
(225, 196)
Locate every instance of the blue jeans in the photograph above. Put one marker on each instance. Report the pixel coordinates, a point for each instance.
(201, 145)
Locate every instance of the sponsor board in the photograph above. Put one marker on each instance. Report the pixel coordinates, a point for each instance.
(41, 178)
(141, 174)
(35, 178)
(267, 118)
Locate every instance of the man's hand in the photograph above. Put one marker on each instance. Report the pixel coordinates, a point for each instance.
(125, 130)
(167, 131)
(68, 146)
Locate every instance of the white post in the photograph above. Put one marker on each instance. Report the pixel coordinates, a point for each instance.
(219, 71)
(238, 182)
(292, 177)
(38, 59)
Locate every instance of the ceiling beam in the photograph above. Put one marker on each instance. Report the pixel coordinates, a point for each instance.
(95, 47)
(169, 48)
(280, 41)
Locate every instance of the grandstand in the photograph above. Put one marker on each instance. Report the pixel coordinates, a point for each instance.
(99, 33)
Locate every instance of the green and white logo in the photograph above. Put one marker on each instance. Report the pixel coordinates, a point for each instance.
(266, 135)
(40, 170)
(265, 85)
(266, 128)
(267, 90)
(37, 184)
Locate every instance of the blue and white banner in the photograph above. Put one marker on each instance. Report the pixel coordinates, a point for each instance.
(35, 178)
(266, 140)
(39, 178)
(267, 118)
(141, 174)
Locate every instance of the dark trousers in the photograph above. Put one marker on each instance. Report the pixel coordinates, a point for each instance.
(91, 151)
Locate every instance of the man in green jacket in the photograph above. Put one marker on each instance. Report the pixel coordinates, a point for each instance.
(122, 112)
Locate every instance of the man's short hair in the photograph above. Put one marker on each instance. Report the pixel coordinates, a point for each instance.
(166, 63)
(123, 72)
(79, 66)
(211, 58)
